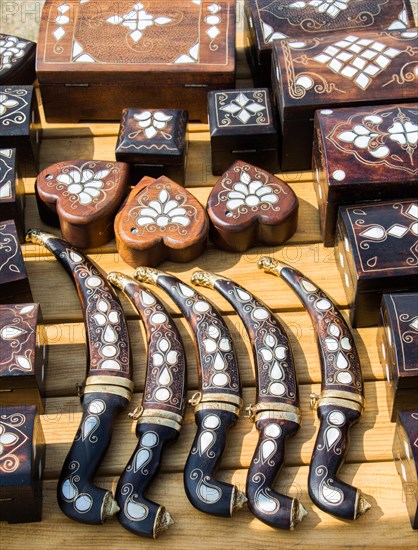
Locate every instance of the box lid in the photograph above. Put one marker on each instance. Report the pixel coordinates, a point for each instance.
(362, 67)
(400, 325)
(289, 19)
(17, 57)
(369, 151)
(154, 42)
(381, 246)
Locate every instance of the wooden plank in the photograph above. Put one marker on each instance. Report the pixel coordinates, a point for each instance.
(369, 439)
(67, 356)
(313, 260)
(385, 525)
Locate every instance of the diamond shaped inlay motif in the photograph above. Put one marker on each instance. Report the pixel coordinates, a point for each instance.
(358, 59)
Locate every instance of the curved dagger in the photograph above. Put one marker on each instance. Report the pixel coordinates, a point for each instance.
(277, 413)
(107, 388)
(341, 402)
(161, 413)
(217, 404)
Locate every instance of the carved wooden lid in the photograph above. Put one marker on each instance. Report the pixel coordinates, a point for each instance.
(82, 191)
(160, 213)
(304, 19)
(15, 110)
(79, 41)
(150, 136)
(340, 68)
(7, 175)
(15, 55)
(245, 195)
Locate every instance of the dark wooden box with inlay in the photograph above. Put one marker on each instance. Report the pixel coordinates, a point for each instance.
(242, 127)
(14, 283)
(97, 59)
(376, 249)
(154, 143)
(363, 154)
(22, 461)
(23, 355)
(12, 192)
(17, 60)
(20, 126)
(267, 20)
(397, 342)
(342, 69)
(405, 453)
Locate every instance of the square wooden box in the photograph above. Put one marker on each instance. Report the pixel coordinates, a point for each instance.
(376, 253)
(21, 464)
(397, 343)
(12, 192)
(97, 59)
(23, 355)
(14, 283)
(405, 453)
(363, 154)
(342, 69)
(20, 126)
(266, 21)
(154, 143)
(242, 127)
(17, 60)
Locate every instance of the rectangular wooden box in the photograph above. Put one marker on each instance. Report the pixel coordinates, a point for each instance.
(12, 191)
(363, 154)
(21, 464)
(339, 69)
(405, 453)
(267, 20)
(376, 253)
(97, 59)
(23, 355)
(397, 343)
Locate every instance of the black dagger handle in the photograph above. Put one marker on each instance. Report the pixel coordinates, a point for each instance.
(341, 402)
(107, 388)
(218, 404)
(277, 413)
(161, 413)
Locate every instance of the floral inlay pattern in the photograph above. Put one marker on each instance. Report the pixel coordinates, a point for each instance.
(12, 106)
(6, 166)
(250, 192)
(17, 327)
(328, 7)
(378, 233)
(243, 108)
(83, 183)
(11, 439)
(11, 49)
(152, 124)
(137, 20)
(6, 103)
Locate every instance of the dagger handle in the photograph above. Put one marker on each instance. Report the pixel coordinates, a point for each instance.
(274, 509)
(138, 514)
(78, 497)
(206, 493)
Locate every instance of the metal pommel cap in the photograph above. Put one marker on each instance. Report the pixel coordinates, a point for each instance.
(36, 236)
(270, 265)
(119, 280)
(205, 278)
(147, 274)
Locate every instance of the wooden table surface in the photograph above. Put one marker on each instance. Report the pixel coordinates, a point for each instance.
(369, 464)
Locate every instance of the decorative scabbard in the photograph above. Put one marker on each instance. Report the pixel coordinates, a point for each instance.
(341, 402)
(217, 404)
(107, 388)
(276, 413)
(160, 415)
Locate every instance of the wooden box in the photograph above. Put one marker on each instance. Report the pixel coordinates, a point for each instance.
(17, 60)
(12, 192)
(159, 221)
(97, 59)
(397, 343)
(82, 198)
(249, 206)
(363, 154)
(14, 283)
(20, 126)
(340, 69)
(242, 127)
(267, 20)
(376, 252)
(405, 453)
(21, 464)
(23, 355)
(154, 143)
